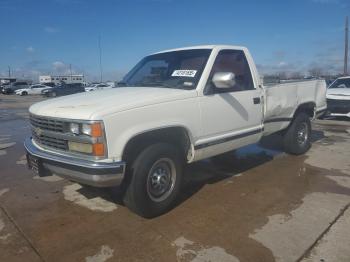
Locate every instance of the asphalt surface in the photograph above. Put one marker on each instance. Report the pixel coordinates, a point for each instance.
(265, 206)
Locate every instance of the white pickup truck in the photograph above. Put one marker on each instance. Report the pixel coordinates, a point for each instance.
(174, 107)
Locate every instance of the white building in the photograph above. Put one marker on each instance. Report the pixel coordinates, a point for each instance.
(61, 78)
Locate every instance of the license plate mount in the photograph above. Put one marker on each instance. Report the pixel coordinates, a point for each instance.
(36, 165)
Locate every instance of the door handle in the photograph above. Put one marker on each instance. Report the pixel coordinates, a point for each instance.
(256, 100)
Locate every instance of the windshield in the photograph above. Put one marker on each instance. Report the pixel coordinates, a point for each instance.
(177, 69)
(341, 83)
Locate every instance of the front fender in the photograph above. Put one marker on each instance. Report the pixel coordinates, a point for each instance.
(123, 126)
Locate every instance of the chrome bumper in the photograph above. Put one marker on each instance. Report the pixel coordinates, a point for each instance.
(339, 114)
(99, 174)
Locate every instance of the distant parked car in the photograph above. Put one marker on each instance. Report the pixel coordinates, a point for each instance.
(32, 90)
(11, 88)
(95, 87)
(63, 89)
(2, 87)
(338, 97)
(50, 84)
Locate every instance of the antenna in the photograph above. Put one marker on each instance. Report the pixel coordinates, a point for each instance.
(346, 46)
(100, 52)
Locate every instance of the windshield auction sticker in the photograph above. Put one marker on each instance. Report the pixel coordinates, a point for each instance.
(184, 73)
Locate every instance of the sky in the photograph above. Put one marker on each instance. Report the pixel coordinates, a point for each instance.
(46, 36)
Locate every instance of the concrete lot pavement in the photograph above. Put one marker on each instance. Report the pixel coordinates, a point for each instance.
(266, 206)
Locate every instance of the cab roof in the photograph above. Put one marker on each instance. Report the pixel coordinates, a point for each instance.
(203, 47)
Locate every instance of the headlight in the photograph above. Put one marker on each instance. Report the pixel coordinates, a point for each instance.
(89, 138)
(74, 128)
(94, 130)
(86, 129)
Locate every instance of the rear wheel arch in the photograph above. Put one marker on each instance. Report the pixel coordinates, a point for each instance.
(307, 108)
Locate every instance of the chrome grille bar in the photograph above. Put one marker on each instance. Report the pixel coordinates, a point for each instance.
(47, 124)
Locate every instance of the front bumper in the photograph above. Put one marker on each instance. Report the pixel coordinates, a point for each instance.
(98, 174)
(338, 107)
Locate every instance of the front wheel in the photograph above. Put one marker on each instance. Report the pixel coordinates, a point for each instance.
(53, 94)
(156, 177)
(24, 93)
(297, 138)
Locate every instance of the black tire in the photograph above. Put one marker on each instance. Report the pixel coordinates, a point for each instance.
(296, 140)
(53, 94)
(24, 93)
(139, 196)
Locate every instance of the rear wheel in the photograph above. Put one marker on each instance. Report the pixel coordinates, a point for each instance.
(156, 176)
(296, 140)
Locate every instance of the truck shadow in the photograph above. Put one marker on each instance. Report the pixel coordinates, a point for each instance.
(206, 172)
(201, 173)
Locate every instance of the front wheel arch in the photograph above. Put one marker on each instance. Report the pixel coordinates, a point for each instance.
(176, 135)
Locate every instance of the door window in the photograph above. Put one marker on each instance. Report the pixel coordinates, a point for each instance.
(233, 61)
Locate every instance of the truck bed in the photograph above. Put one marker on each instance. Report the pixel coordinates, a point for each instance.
(283, 99)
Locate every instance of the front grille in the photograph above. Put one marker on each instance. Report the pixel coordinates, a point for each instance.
(49, 124)
(338, 106)
(42, 124)
(51, 142)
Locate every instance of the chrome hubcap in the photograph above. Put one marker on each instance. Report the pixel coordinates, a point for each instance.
(161, 179)
(302, 134)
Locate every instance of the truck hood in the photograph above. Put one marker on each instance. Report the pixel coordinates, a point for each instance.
(338, 93)
(95, 105)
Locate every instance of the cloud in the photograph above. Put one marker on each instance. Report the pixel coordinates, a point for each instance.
(340, 3)
(326, 1)
(50, 29)
(330, 60)
(30, 49)
(282, 64)
(68, 2)
(60, 67)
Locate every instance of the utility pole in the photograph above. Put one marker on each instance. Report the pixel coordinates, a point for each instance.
(100, 52)
(346, 46)
(9, 71)
(70, 70)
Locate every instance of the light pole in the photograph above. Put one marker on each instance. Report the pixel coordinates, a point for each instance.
(346, 46)
(100, 53)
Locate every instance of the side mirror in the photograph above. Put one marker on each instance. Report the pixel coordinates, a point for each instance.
(224, 79)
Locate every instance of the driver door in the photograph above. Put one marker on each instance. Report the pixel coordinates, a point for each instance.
(231, 116)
